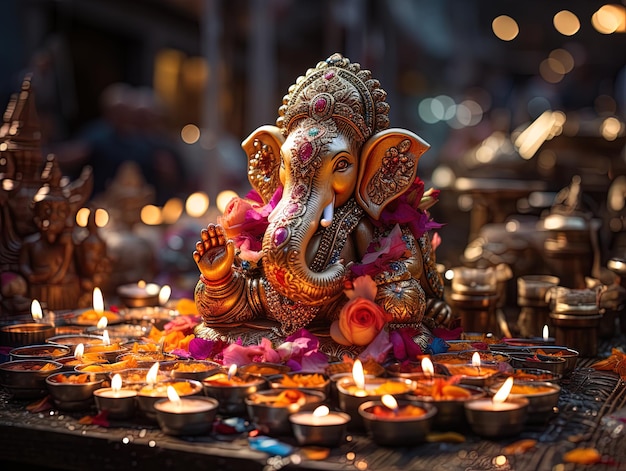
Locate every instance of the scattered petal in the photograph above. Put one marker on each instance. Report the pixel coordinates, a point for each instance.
(582, 456)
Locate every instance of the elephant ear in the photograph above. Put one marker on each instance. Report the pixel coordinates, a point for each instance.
(263, 150)
(387, 168)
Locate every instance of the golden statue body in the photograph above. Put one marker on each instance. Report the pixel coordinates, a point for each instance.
(332, 184)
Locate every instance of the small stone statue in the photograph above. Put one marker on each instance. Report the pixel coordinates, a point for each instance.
(336, 199)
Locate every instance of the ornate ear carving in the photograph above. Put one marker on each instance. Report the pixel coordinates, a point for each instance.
(263, 150)
(387, 168)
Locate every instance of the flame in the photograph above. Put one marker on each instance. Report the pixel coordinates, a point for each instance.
(232, 371)
(79, 351)
(153, 374)
(98, 301)
(389, 401)
(106, 340)
(164, 294)
(503, 392)
(35, 310)
(116, 383)
(141, 283)
(546, 332)
(321, 411)
(102, 323)
(476, 360)
(427, 367)
(172, 395)
(358, 376)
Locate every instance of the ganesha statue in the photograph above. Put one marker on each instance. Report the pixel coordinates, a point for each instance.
(337, 214)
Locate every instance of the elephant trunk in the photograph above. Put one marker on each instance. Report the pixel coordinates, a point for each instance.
(292, 226)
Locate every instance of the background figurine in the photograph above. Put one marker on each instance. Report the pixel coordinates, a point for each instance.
(336, 205)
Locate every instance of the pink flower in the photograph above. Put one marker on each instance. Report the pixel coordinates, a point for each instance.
(411, 209)
(404, 347)
(245, 221)
(242, 355)
(378, 349)
(300, 352)
(381, 253)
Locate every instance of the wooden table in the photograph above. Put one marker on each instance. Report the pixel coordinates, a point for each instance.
(57, 440)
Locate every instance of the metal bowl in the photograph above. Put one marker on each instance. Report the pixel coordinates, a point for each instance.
(18, 335)
(193, 369)
(39, 352)
(70, 395)
(71, 340)
(272, 417)
(398, 431)
(553, 364)
(196, 422)
(570, 355)
(299, 380)
(264, 369)
(26, 378)
(450, 411)
(232, 395)
(542, 396)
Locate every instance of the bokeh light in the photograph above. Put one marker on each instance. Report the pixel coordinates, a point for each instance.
(566, 23)
(197, 204)
(505, 28)
(190, 134)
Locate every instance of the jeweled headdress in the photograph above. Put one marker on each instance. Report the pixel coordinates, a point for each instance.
(339, 90)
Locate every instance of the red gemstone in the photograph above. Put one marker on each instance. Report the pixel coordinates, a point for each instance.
(320, 105)
(280, 236)
(306, 150)
(328, 75)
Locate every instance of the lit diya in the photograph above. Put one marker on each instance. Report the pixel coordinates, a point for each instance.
(499, 416)
(110, 350)
(322, 427)
(354, 391)
(29, 333)
(447, 395)
(231, 388)
(154, 390)
(476, 373)
(140, 294)
(93, 316)
(392, 422)
(118, 402)
(544, 340)
(185, 415)
(542, 398)
(81, 358)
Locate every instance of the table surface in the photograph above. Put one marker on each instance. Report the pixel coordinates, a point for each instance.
(588, 401)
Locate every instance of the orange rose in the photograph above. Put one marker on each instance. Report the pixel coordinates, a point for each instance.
(234, 219)
(360, 321)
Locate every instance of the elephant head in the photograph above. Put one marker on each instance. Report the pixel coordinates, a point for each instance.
(331, 149)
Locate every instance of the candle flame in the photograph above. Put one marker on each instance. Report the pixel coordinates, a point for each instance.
(141, 283)
(153, 374)
(79, 351)
(428, 367)
(321, 411)
(172, 395)
(98, 301)
(102, 323)
(504, 391)
(164, 294)
(116, 383)
(476, 360)
(358, 376)
(35, 310)
(106, 340)
(232, 371)
(546, 333)
(389, 401)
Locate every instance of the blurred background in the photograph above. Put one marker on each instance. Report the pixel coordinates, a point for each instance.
(195, 77)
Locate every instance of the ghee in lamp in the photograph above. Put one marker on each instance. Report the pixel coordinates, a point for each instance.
(498, 416)
(119, 403)
(185, 416)
(320, 427)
